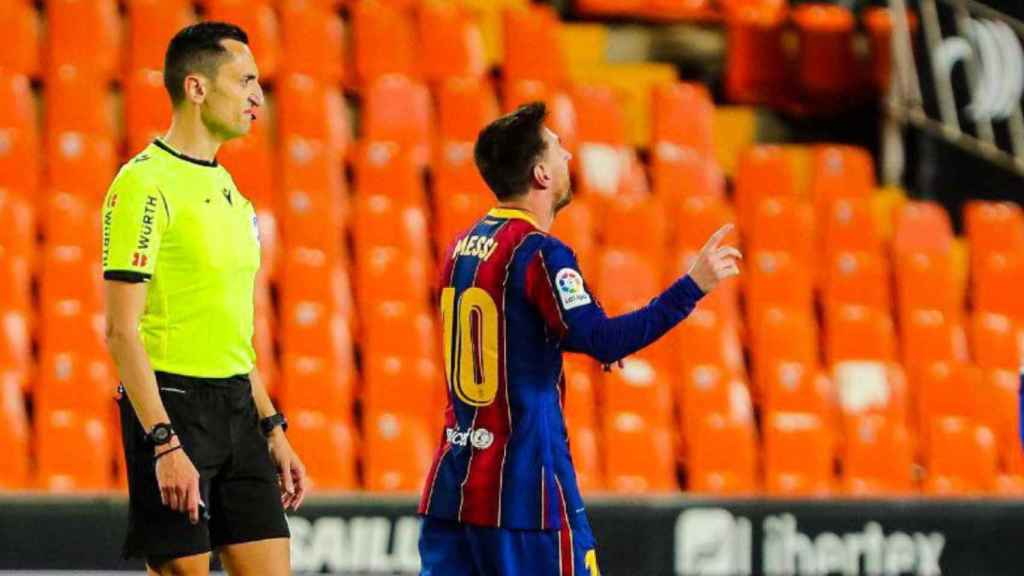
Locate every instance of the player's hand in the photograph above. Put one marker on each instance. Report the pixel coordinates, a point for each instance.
(715, 262)
(291, 473)
(178, 480)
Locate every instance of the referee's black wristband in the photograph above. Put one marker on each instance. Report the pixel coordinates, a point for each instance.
(166, 452)
(268, 424)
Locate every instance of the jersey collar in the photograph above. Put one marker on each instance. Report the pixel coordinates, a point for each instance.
(513, 213)
(163, 146)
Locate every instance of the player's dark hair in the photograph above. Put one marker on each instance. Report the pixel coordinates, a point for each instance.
(507, 149)
(197, 48)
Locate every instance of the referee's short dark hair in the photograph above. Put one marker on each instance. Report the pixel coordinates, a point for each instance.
(197, 48)
(507, 149)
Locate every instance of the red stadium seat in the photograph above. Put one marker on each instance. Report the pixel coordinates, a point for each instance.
(328, 445)
(14, 432)
(22, 50)
(533, 49)
(147, 108)
(397, 452)
(878, 457)
(451, 43)
(465, 106)
(73, 451)
(398, 110)
(312, 41)
(20, 165)
(384, 41)
(879, 24)
(610, 7)
(961, 458)
(637, 455)
(259, 22)
(755, 66)
(682, 115)
(798, 455)
(84, 35)
(723, 456)
(827, 66)
(151, 25)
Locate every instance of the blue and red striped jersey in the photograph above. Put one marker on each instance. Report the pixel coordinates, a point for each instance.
(512, 300)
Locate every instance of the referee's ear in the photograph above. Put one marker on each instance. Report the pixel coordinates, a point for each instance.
(195, 88)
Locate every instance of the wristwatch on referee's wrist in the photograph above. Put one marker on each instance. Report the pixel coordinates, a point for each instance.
(160, 434)
(268, 424)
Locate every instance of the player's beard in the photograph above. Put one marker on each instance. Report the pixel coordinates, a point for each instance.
(563, 199)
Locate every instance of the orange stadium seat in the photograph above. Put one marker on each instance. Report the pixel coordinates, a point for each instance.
(925, 280)
(319, 383)
(681, 117)
(312, 205)
(922, 227)
(679, 173)
(640, 386)
(763, 171)
(996, 341)
(78, 101)
(312, 41)
(993, 227)
(16, 290)
(708, 337)
(18, 225)
(961, 458)
(576, 226)
(637, 455)
(20, 24)
(263, 344)
(797, 386)
(397, 452)
(784, 225)
(14, 433)
(406, 386)
(384, 168)
(998, 407)
(697, 218)
(855, 332)
(315, 275)
(849, 224)
(397, 109)
(73, 452)
(776, 279)
(872, 388)
(84, 35)
(877, 458)
(259, 22)
(706, 389)
(151, 25)
(930, 335)
(81, 381)
(386, 273)
(586, 458)
(72, 271)
(798, 455)
(20, 165)
(600, 116)
(580, 383)
(755, 66)
(996, 284)
(610, 7)
(251, 162)
(383, 41)
(410, 319)
(15, 346)
(723, 456)
(328, 445)
(626, 215)
(533, 49)
(860, 278)
(147, 108)
(781, 335)
(827, 66)
(619, 297)
(465, 106)
(70, 324)
(82, 164)
(451, 42)
(380, 220)
(840, 171)
(312, 108)
(461, 197)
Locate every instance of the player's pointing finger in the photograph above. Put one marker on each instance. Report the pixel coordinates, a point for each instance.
(716, 238)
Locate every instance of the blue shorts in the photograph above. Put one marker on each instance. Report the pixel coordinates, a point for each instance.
(448, 548)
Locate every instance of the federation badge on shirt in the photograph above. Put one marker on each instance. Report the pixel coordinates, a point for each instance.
(570, 289)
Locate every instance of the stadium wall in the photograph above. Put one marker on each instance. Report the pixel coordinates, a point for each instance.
(672, 537)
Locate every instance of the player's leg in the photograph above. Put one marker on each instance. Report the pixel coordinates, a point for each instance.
(507, 552)
(445, 549)
(262, 557)
(195, 565)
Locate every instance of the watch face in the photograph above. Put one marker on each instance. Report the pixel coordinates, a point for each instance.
(161, 434)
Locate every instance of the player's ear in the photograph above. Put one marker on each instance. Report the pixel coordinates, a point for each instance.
(195, 88)
(541, 175)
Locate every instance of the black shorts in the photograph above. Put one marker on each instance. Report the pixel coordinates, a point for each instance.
(218, 425)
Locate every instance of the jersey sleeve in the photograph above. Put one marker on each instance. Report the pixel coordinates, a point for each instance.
(555, 286)
(135, 216)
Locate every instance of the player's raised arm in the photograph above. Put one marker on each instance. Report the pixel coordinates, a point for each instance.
(556, 286)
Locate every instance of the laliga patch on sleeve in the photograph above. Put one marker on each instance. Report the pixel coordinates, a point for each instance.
(570, 288)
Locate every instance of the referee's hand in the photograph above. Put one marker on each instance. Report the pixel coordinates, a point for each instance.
(715, 263)
(290, 470)
(178, 480)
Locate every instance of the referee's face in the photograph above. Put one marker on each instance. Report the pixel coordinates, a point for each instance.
(235, 97)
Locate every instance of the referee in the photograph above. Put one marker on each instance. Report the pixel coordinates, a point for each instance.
(209, 466)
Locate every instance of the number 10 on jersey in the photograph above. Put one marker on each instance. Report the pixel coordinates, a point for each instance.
(470, 345)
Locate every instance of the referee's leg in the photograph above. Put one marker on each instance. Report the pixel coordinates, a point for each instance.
(270, 557)
(195, 565)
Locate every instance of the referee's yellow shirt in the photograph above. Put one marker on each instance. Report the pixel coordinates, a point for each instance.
(181, 225)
